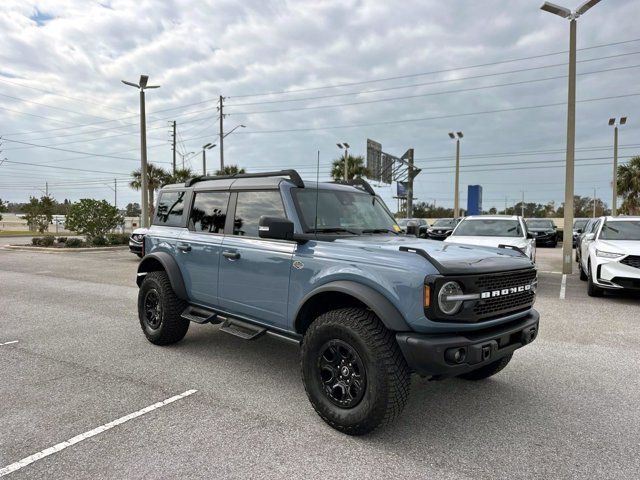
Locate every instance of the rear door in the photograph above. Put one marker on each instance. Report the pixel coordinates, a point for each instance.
(254, 272)
(199, 248)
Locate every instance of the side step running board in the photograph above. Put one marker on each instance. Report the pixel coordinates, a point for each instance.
(241, 329)
(200, 315)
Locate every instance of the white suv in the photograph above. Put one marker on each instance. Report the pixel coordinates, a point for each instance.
(610, 255)
(495, 231)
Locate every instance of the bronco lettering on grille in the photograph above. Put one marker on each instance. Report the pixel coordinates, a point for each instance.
(505, 291)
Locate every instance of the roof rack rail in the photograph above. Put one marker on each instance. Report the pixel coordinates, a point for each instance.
(292, 174)
(358, 182)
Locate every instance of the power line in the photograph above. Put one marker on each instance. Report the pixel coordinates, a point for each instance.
(429, 94)
(440, 117)
(67, 150)
(433, 72)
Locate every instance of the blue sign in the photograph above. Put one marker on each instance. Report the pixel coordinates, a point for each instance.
(474, 200)
(402, 189)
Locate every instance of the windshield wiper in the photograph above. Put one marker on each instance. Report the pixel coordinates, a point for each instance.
(379, 230)
(331, 230)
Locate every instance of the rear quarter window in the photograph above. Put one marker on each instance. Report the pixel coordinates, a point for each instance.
(170, 209)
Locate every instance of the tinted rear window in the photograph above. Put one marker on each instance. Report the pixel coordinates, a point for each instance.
(209, 212)
(170, 209)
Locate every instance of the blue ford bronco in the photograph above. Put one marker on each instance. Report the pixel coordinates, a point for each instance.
(325, 265)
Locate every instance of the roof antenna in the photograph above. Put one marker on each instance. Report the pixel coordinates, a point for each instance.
(315, 229)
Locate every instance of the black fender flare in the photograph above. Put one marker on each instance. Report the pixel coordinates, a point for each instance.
(376, 301)
(149, 264)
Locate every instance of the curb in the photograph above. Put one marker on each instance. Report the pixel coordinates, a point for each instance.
(64, 249)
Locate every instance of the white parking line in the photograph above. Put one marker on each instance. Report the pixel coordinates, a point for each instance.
(550, 271)
(91, 433)
(563, 286)
(8, 343)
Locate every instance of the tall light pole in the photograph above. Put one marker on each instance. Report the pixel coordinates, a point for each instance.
(142, 86)
(183, 155)
(223, 136)
(206, 147)
(614, 123)
(346, 147)
(456, 192)
(567, 234)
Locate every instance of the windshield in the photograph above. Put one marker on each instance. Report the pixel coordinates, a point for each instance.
(621, 230)
(403, 222)
(489, 228)
(579, 224)
(445, 222)
(539, 224)
(339, 209)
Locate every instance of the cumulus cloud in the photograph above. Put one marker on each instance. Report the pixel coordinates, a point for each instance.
(62, 62)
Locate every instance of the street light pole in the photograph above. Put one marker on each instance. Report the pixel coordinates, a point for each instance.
(142, 85)
(567, 234)
(614, 123)
(456, 189)
(346, 147)
(206, 147)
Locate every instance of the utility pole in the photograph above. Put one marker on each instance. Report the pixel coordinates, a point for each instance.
(614, 123)
(522, 205)
(410, 184)
(567, 234)
(505, 204)
(173, 146)
(221, 134)
(46, 189)
(456, 193)
(594, 202)
(115, 192)
(142, 85)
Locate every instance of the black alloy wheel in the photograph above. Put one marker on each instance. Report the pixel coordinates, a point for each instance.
(152, 309)
(342, 375)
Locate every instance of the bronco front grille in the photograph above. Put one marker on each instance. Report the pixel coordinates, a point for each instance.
(513, 301)
(632, 261)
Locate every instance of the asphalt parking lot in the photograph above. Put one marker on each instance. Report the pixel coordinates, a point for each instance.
(566, 407)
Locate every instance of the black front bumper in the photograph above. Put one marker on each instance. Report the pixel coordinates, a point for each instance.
(431, 355)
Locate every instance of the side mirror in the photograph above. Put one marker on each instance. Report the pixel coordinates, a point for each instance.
(530, 235)
(579, 231)
(590, 236)
(275, 227)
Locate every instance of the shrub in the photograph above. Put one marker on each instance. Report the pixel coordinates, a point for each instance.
(99, 241)
(45, 241)
(118, 239)
(74, 243)
(62, 239)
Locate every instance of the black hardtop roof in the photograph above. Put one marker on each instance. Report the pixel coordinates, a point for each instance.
(260, 180)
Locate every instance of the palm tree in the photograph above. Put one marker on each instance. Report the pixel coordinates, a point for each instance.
(230, 170)
(181, 175)
(156, 178)
(356, 168)
(629, 186)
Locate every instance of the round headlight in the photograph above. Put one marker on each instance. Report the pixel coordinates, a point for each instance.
(449, 307)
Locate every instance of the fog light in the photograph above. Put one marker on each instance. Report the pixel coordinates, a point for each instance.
(455, 355)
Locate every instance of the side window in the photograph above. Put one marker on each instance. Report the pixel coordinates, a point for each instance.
(209, 212)
(251, 206)
(170, 209)
(594, 228)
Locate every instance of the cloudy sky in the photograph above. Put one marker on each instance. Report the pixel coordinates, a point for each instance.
(304, 75)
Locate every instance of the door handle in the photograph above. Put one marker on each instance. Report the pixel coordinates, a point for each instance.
(231, 255)
(184, 247)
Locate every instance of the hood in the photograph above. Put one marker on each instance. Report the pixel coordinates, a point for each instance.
(628, 247)
(446, 258)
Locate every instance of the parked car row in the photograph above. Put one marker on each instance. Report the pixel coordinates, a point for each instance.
(608, 254)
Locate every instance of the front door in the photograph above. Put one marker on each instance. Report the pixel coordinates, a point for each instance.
(254, 272)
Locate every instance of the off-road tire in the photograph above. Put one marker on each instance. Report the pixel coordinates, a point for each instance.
(592, 289)
(488, 370)
(387, 376)
(172, 327)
